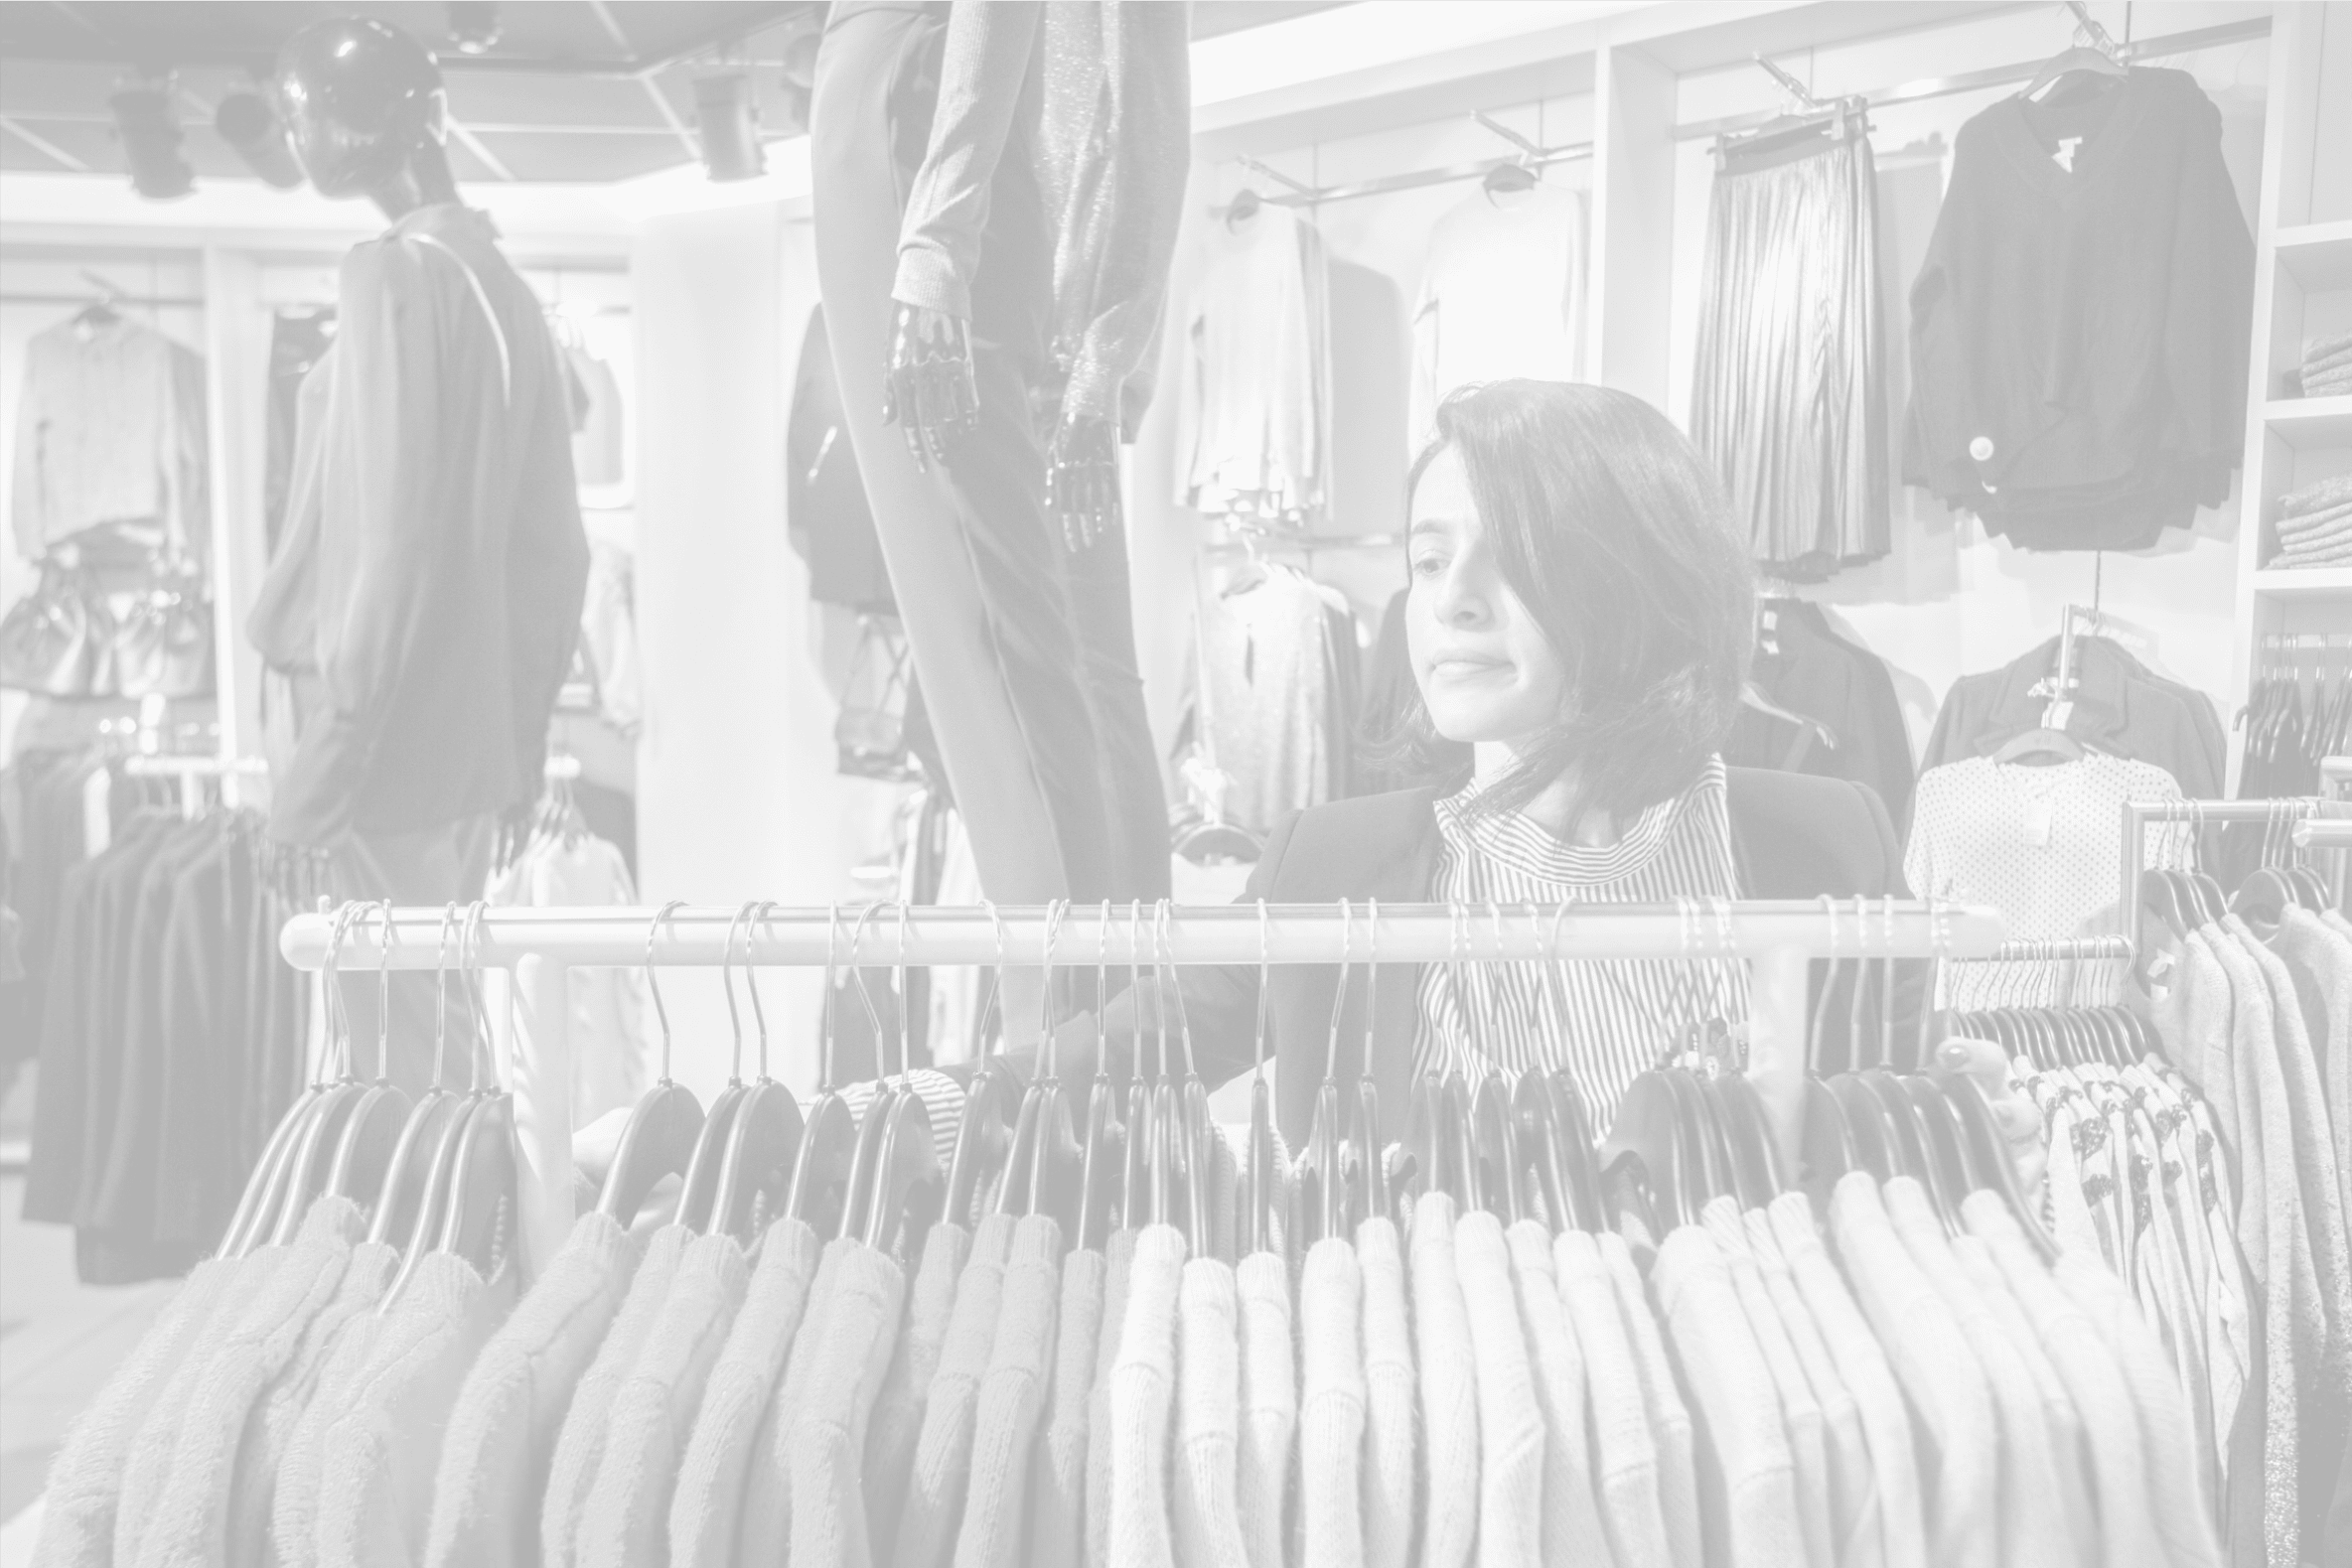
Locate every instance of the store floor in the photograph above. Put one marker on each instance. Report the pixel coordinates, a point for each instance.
(60, 1340)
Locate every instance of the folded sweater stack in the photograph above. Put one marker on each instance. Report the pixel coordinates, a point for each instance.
(2327, 365)
(2314, 526)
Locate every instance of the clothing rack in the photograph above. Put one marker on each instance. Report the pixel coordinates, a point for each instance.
(541, 947)
(2140, 815)
(1532, 158)
(190, 770)
(1928, 88)
(112, 299)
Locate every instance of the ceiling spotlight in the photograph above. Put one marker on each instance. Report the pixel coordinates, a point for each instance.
(149, 127)
(730, 125)
(474, 26)
(248, 122)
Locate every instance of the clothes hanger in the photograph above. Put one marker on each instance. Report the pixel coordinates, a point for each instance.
(766, 1136)
(696, 1195)
(371, 1132)
(1195, 1121)
(1438, 1114)
(666, 1125)
(1012, 1194)
(1057, 1160)
(1135, 1210)
(1164, 1131)
(401, 1196)
(485, 1189)
(827, 1158)
(265, 1189)
(307, 1172)
(1317, 1189)
(441, 1171)
(1507, 178)
(1989, 1151)
(2091, 52)
(906, 1183)
(984, 1132)
(1365, 1171)
(1260, 1222)
(1751, 696)
(1104, 1176)
(866, 1151)
(1492, 1140)
(1244, 207)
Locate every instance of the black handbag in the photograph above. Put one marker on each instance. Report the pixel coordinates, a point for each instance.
(50, 639)
(163, 645)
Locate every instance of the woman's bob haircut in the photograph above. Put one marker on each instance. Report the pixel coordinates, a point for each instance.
(1611, 529)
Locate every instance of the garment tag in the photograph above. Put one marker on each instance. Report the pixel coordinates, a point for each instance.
(2037, 824)
(2064, 156)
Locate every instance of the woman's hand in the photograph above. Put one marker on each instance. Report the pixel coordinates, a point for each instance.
(2019, 1119)
(931, 389)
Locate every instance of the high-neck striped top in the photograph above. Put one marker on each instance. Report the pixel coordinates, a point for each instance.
(1604, 1021)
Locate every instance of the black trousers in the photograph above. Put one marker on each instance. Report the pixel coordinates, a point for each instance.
(1025, 651)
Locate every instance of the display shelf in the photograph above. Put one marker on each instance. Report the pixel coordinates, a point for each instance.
(2318, 256)
(2310, 424)
(2318, 582)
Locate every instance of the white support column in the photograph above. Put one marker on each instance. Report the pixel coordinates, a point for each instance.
(1777, 1045)
(541, 1081)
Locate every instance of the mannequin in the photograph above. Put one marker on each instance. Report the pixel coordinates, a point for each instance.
(425, 597)
(997, 188)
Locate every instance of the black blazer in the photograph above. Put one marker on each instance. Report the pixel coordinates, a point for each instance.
(1793, 836)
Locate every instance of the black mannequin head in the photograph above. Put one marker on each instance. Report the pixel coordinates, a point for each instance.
(364, 104)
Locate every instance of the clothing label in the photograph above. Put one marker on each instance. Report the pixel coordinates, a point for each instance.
(2037, 824)
(2064, 156)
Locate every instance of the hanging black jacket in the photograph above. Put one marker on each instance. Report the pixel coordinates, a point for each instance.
(2079, 336)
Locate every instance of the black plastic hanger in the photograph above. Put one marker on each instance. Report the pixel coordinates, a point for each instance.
(764, 1140)
(1196, 1124)
(1260, 1223)
(1104, 1178)
(1055, 1161)
(827, 1158)
(1989, 1151)
(2084, 56)
(983, 1129)
(666, 1125)
(905, 1184)
(1246, 202)
(1361, 1153)
(1867, 1124)
(265, 1189)
(371, 1131)
(698, 1196)
(1318, 1193)
(401, 1193)
(306, 1174)
(453, 1152)
(1509, 178)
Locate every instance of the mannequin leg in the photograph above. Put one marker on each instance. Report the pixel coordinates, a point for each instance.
(1126, 762)
(979, 575)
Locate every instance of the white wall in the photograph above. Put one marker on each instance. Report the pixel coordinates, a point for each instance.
(737, 795)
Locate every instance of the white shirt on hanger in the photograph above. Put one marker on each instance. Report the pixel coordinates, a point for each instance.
(1502, 296)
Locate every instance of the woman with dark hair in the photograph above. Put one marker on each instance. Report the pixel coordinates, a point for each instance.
(1579, 615)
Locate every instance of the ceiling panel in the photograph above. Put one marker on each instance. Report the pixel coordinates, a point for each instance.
(553, 99)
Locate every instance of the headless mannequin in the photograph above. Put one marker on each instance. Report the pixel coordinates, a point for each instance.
(425, 598)
(1020, 630)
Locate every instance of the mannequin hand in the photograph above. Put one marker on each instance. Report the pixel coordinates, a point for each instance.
(2021, 1120)
(930, 391)
(1081, 479)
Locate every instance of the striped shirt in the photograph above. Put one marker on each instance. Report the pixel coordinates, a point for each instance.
(1605, 1021)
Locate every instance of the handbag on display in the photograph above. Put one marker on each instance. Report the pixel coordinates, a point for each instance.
(163, 645)
(51, 639)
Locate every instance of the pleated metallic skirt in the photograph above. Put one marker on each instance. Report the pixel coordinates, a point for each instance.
(1789, 399)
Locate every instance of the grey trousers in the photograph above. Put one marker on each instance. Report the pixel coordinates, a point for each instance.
(1025, 653)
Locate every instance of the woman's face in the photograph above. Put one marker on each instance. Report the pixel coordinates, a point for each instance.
(1486, 670)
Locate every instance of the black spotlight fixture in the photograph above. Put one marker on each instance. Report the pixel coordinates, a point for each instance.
(474, 26)
(250, 125)
(730, 125)
(149, 127)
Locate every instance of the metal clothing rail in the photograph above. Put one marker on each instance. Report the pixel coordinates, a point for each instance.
(190, 769)
(1998, 76)
(542, 945)
(2139, 815)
